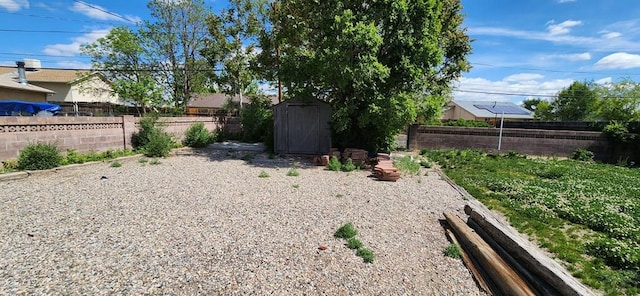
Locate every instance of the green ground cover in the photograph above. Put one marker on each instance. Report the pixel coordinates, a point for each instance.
(586, 214)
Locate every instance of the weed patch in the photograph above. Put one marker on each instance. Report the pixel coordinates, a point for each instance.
(586, 214)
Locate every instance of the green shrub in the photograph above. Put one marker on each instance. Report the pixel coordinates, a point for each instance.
(147, 126)
(453, 251)
(366, 254)
(354, 243)
(346, 231)
(616, 132)
(348, 166)
(467, 123)
(582, 155)
(293, 172)
(198, 136)
(39, 156)
(159, 144)
(426, 164)
(257, 121)
(334, 164)
(74, 157)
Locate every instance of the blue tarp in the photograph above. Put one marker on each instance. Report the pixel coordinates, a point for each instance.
(9, 108)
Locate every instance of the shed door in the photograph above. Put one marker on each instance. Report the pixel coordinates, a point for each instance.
(304, 130)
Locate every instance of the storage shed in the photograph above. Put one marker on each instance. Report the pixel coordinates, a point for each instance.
(302, 127)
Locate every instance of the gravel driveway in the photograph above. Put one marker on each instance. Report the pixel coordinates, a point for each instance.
(204, 222)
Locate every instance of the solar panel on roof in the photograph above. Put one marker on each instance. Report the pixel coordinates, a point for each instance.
(499, 109)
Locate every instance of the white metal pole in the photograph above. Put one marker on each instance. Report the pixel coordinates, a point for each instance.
(500, 137)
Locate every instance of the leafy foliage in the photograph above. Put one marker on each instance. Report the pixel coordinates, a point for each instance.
(582, 155)
(348, 166)
(346, 231)
(380, 64)
(587, 214)
(354, 243)
(257, 121)
(366, 254)
(616, 131)
(467, 123)
(577, 102)
(198, 136)
(151, 138)
(334, 164)
(453, 251)
(39, 156)
(227, 45)
(293, 172)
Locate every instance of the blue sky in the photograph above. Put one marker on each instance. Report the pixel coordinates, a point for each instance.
(525, 48)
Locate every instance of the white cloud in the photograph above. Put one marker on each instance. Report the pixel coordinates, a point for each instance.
(610, 35)
(619, 60)
(566, 1)
(562, 28)
(70, 49)
(14, 5)
(100, 13)
(508, 89)
(585, 56)
(606, 80)
(523, 77)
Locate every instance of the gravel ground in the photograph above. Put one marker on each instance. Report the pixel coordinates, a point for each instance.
(206, 223)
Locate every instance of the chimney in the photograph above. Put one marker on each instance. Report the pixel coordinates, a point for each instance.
(22, 77)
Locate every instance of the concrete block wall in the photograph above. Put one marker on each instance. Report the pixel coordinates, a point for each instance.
(524, 141)
(86, 134)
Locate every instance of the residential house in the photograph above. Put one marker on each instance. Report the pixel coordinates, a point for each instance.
(71, 89)
(489, 111)
(12, 88)
(216, 104)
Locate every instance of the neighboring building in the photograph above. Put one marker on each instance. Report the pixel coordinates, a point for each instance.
(11, 88)
(216, 104)
(489, 111)
(68, 88)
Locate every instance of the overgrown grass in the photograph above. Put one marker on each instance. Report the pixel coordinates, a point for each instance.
(263, 174)
(586, 214)
(116, 164)
(407, 165)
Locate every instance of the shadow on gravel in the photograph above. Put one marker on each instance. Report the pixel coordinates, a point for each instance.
(253, 158)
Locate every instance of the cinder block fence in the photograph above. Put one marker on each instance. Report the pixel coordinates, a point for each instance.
(524, 141)
(86, 134)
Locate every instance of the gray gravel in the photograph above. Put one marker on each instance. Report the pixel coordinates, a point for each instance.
(206, 223)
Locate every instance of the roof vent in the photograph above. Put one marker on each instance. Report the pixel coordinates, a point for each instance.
(32, 64)
(22, 77)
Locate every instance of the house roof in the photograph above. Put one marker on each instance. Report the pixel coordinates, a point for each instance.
(218, 100)
(49, 75)
(9, 80)
(493, 109)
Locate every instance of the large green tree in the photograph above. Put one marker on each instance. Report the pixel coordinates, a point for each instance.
(578, 102)
(379, 63)
(174, 39)
(619, 101)
(121, 56)
(231, 46)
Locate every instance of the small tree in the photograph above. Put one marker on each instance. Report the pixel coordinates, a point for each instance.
(257, 120)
